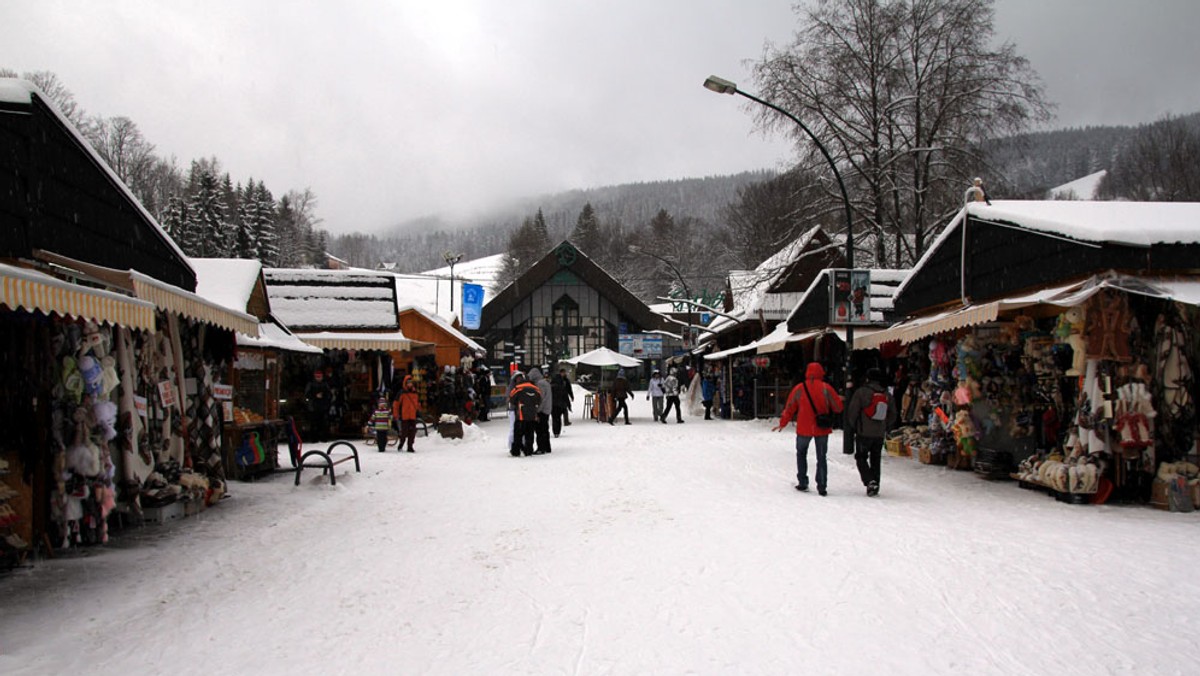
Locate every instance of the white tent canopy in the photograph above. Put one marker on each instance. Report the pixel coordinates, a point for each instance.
(602, 356)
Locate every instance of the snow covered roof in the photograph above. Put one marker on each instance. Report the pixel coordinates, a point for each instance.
(228, 281)
(444, 325)
(1080, 189)
(1138, 224)
(315, 300)
(749, 288)
(20, 92)
(273, 336)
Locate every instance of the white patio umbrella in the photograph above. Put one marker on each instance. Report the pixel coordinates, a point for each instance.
(602, 356)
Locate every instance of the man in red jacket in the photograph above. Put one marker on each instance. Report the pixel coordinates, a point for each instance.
(812, 397)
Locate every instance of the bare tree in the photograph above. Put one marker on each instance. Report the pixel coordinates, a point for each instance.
(902, 91)
(771, 214)
(1160, 164)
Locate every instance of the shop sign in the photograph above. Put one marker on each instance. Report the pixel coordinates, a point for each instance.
(849, 297)
(640, 345)
(222, 392)
(166, 394)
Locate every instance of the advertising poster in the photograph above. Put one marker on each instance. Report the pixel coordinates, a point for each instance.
(850, 297)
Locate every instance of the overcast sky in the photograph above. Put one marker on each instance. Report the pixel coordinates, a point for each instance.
(391, 110)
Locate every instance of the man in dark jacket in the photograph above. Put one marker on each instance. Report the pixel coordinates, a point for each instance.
(319, 397)
(620, 392)
(870, 413)
(563, 396)
(523, 400)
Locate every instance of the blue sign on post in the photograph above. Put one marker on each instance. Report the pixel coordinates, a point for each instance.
(472, 305)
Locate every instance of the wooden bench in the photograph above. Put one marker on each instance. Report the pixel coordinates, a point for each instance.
(324, 460)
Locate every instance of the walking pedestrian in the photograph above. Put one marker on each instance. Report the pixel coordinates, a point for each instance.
(671, 390)
(870, 412)
(655, 393)
(381, 421)
(406, 409)
(812, 404)
(620, 391)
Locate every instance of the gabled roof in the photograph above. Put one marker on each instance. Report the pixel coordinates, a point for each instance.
(77, 206)
(567, 256)
(445, 326)
(228, 281)
(781, 275)
(332, 300)
(1016, 245)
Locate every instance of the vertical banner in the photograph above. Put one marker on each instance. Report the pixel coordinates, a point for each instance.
(850, 297)
(472, 305)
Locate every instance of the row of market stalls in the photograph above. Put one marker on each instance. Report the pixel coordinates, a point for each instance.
(1049, 342)
(136, 381)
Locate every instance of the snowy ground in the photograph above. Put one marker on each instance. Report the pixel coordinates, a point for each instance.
(642, 549)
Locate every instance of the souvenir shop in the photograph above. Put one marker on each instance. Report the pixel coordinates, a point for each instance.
(111, 409)
(1084, 392)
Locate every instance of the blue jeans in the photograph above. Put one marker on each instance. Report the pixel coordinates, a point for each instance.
(802, 459)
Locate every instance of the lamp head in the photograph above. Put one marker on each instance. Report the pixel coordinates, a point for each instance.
(720, 85)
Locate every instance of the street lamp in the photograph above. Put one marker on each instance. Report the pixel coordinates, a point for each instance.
(451, 258)
(723, 86)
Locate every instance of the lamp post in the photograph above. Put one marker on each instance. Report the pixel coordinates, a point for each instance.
(723, 86)
(451, 258)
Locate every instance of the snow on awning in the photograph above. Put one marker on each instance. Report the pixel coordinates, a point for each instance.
(174, 299)
(779, 338)
(328, 340)
(730, 352)
(31, 290)
(271, 336)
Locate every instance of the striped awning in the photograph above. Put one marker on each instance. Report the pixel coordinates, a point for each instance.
(174, 299)
(388, 341)
(30, 290)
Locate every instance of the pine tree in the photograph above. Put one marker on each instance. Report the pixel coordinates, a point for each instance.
(264, 224)
(586, 234)
(174, 221)
(205, 216)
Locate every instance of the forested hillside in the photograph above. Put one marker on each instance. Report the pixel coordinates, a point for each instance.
(419, 245)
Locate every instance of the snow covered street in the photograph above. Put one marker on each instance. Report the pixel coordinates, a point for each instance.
(649, 548)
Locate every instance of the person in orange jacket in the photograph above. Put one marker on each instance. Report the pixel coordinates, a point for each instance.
(405, 409)
(811, 398)
(524, 400)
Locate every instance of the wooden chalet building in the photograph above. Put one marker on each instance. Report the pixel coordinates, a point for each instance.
(563, 306)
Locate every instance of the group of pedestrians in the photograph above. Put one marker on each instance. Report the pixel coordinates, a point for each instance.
(401, 416)
(814, 405)
(533, 402)
(665, 390)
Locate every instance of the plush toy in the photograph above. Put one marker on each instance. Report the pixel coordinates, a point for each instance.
(1070, 330)
(964, 433)
(105, 414)
(84, 459)
(72, 380)
(92, 373)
